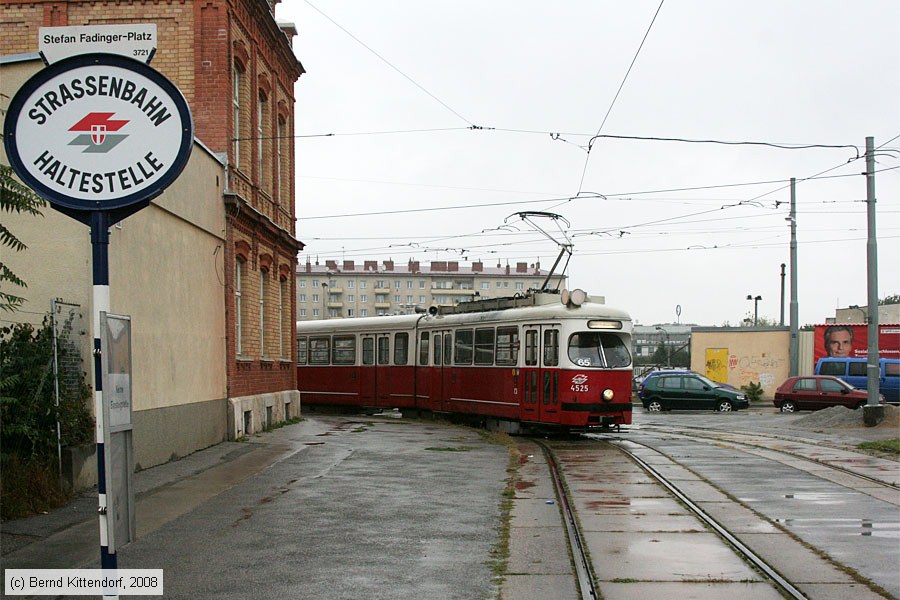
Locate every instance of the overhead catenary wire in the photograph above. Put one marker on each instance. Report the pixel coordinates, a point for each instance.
(595, 195)
(389, 63)
(587, 158)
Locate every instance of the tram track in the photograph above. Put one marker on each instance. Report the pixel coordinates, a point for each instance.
(595, 514)
(580, 559)
(744, 551)
(714, 436)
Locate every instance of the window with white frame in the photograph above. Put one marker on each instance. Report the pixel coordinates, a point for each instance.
(260, 139)
(280, 159)
(282, 325)
(262, 312)
(239, 266)
(237, 83)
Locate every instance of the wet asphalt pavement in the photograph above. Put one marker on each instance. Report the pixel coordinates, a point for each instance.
(383, 507)
(351, 508)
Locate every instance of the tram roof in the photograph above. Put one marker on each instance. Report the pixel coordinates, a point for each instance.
(526, 308)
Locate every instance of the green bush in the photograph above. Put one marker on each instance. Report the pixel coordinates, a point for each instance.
(754, 391)
(28, 417)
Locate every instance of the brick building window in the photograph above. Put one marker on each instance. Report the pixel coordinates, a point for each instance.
(262, 312)
(238, 312)
(262, 114)
(281, 165)
(237, 115)
(282, 297)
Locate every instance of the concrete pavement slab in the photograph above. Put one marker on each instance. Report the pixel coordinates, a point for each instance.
(540, 587)
(661, 556)
(643, 590)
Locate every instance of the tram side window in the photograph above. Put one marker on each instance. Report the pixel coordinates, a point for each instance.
(437, 349)
(484, 346)
(368, 351)
(463, 354)
(448, 348)
(424, 340)
(302, 350)
(551, 348)
(343, 351)
(507, 346)
(531, 348)
(401, 348)
(384, 350)
(318, 350)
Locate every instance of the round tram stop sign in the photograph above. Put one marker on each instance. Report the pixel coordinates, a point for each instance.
(98, 132)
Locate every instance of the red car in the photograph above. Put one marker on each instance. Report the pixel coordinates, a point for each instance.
(814, 392)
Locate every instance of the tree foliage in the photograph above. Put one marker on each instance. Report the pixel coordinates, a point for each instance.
(14, 197)
(28, 411)
(28, 418)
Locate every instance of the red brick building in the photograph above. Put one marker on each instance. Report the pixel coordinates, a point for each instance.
(235, 66)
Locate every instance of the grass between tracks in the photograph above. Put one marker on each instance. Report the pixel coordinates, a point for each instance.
(499, 562)
(890, 447)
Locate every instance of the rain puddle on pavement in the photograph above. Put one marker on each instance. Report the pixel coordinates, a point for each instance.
(853, 527)
(820, 498)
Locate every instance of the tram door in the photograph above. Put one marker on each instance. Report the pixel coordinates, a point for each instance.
(540, 397)
(441, 344)
(374, 378)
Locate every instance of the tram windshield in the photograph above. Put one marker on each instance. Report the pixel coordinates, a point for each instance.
(601, 350)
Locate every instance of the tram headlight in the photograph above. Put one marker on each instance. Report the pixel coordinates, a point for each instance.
(608, 395)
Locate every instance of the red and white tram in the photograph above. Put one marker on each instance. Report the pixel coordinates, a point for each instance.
(542, 361)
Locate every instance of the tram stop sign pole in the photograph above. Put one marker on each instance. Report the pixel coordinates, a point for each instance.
(99, 135)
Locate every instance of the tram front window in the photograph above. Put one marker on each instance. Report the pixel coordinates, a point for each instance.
(600, 350)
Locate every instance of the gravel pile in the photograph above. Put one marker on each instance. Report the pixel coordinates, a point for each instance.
(840, 416)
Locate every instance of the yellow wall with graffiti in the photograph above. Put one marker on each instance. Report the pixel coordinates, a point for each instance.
(738, 356)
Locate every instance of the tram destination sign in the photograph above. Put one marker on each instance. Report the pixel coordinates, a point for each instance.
(98, 132)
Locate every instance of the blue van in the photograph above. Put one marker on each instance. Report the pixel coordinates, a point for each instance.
(853, 371)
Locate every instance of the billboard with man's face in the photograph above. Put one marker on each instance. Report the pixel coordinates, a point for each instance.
(852, 340)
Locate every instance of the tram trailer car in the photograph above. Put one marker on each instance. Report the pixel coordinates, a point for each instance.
(544, 361)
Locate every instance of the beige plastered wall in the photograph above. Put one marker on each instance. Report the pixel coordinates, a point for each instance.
(750, 355)
(166, 273)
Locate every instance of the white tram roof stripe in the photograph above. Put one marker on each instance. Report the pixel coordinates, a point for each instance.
(520, 316)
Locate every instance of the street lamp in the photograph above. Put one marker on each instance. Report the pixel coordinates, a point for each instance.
(324, 301)
(668, 356)
(756, 300)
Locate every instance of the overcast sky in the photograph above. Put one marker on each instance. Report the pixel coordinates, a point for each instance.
(445, 119)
